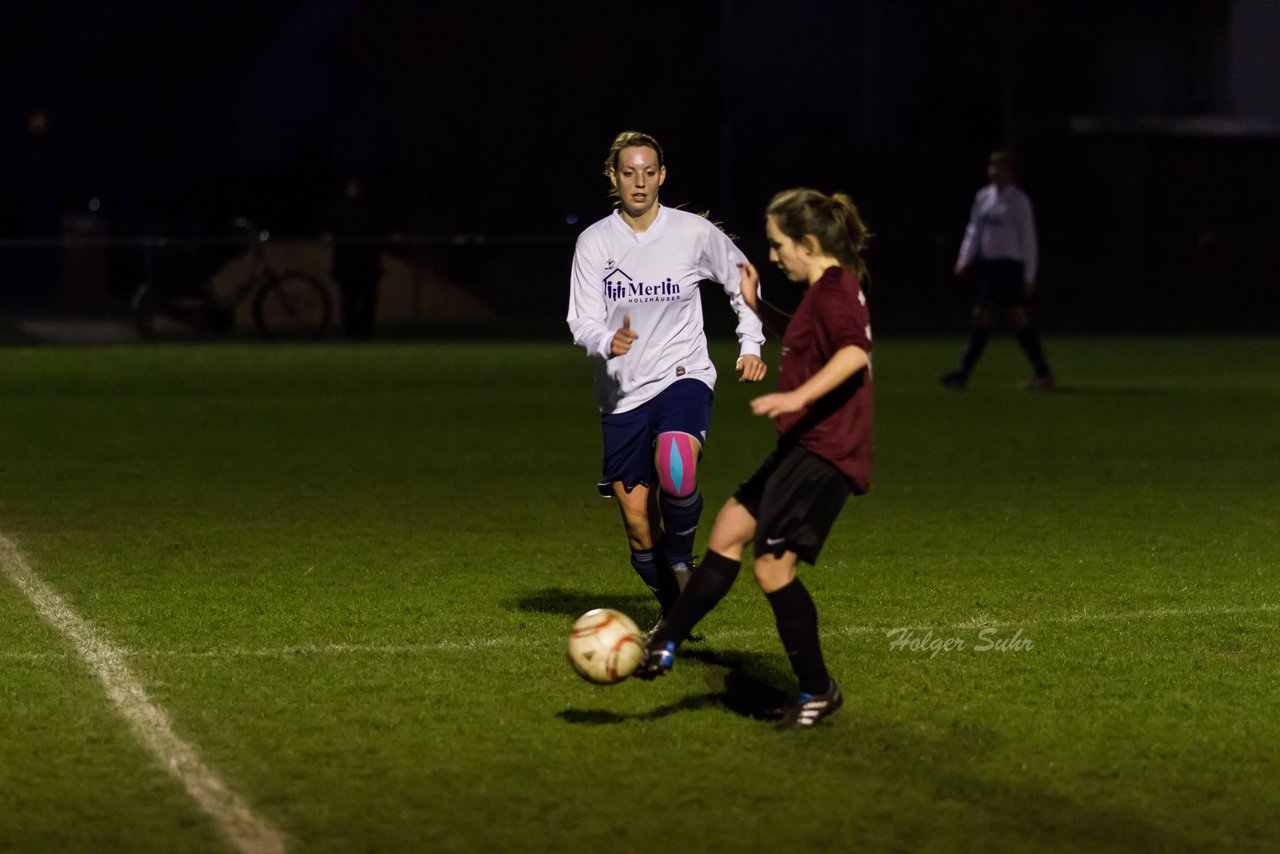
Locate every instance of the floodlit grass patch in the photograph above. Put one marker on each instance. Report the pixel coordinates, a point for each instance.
(346, 572)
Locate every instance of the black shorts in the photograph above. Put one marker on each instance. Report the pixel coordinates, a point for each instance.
(1003, 283)
(795, 497)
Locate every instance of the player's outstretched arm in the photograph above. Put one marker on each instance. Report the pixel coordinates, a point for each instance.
(774, 319)
(846, 362)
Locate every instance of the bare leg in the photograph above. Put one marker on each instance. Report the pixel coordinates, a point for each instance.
(639, 515)
(639, 509)
(775, 573)
(734, 528)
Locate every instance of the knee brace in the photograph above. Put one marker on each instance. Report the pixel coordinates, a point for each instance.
(677, 464)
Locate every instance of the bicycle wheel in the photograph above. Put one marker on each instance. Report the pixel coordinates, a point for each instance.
(292, 305)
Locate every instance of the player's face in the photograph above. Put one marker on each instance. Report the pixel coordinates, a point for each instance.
(999, 172)
(637, 177)
(789, 257)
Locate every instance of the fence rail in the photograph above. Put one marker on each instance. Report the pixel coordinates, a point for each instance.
(1222, 278)
(388, 240)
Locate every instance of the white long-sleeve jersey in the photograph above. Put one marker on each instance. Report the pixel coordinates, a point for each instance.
(652, 277)
(1002, 225)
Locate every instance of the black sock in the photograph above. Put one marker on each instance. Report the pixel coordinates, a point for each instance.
(797, 619)
(1030, 341)
(978, 338)
(705, 589)
(680, 521)
(658, 577)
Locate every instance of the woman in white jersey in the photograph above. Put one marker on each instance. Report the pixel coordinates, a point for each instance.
(634, 305)
(1000, 245)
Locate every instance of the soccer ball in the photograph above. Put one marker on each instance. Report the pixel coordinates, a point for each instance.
(605, 646)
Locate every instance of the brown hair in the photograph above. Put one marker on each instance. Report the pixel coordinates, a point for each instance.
(833, 220)
(627, 139)
(1004, 157)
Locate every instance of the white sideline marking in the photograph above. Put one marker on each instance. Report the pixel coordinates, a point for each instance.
(247, 832)
(334, 649)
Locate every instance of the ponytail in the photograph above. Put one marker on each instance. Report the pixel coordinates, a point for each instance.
(832, 220)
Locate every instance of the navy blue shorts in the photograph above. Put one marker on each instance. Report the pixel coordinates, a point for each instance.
(682, 407)
(1003, 284)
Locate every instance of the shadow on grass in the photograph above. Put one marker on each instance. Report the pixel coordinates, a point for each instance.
(597, 716)
(743, 683)
(1025, 804)
(574, 603)
(748, 682)
(1034, 806)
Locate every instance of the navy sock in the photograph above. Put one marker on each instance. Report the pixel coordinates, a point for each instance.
(680, 521)
(1030, 341)
(978, 338)
(658, 577)
(797, 620)
(706, 588)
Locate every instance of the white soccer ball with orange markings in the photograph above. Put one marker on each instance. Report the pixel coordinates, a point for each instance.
(605, 646)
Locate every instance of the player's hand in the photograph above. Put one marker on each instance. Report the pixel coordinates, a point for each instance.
(1028, 289)
(960, 268)
(623, 337)
(749, 286)
(751, 369)
(773, 405)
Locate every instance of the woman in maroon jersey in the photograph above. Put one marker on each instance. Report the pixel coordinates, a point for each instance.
(825, 451)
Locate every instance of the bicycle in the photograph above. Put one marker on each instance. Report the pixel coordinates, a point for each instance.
(286, 303)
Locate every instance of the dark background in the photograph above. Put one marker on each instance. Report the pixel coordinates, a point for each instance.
(1148, 133)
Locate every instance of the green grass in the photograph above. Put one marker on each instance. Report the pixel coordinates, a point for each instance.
(347, 572)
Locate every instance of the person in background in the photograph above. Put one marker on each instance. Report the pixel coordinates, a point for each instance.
(353, 227)
(1000, 247)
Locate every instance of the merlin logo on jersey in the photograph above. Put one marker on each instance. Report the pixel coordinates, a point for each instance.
(618, 286)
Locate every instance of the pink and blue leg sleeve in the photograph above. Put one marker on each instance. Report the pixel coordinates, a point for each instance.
(677, 464)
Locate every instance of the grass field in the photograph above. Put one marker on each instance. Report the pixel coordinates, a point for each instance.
(345, 574)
